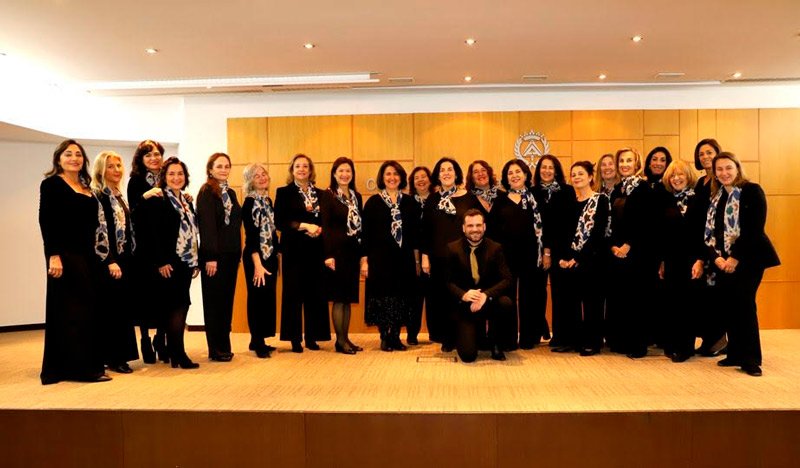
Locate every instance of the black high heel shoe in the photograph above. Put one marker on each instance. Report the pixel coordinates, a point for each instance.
(148, 355)
(160, 349)
(312, 345)
(297, 347)
(354, 346)
(341, 349)
(184, 363)
(397, 344)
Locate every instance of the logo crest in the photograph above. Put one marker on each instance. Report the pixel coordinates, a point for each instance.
(530, 146)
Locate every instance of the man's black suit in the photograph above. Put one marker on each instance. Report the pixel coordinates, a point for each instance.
(495, 279)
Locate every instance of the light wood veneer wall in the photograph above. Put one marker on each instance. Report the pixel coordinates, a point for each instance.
(766, 140)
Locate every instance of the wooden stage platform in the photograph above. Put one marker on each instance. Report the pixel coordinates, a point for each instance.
(416, 408)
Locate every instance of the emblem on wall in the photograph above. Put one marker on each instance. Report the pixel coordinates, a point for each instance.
(530, 146)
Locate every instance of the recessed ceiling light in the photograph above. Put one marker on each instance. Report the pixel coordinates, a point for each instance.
(470, 41)
(637, 38)
(736, 75)
(601, 76)
(467, 78)
(151, 50)
(309, 45)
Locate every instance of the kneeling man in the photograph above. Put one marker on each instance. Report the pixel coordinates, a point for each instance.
(478, 278)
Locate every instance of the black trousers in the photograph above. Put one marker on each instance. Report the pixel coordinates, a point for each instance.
(471, 326)
(681, 306)
(528, 321)
(441, 316)
(628, 310)
(116, 321)
(736, 296)
(218, 292)
(260, 303)
(303, 303)
(422, 297)
(578, 307)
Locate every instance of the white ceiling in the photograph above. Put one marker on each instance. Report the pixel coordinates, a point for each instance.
(570, 41)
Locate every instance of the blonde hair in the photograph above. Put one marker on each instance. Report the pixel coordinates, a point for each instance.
(637, 167)
(678, 165)
(249, 175)
(99, 169)
(597, 183)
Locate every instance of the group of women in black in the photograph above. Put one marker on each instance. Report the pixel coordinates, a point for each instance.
(633, 260)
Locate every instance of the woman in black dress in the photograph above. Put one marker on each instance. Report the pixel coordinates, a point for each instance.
(555, 198)
(631, 258)
(169, 239)
(606, 174)
(738, 251)
(519, 228)
(419, 187)
(260, 257)
(73, 238)
(579, 259)
(711, 326)
(390, 229)
(341, 223)
(219, 218)
(119, 336)
(682, 257)
(297, 216)
(143, 185)
(441, 224)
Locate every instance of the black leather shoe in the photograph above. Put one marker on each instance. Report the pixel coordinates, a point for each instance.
(562, 349)
(497, 354)
(123, 368)
(680, 357)
(312, 345)
(589, 351)
(297, 347)
(527, 345)
(637, 354)
(385, 346)
(412, 340)
(344, 350)
(184, 363)
(354, 346)
(397, 344)
(220, 357)
(446, 348)
(752, 370)
(263, 352)
(727, 362)
(98, 378)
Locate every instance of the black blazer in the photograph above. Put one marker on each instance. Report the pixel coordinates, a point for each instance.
(216, 237)
(335, 241)
(495, 277)
(753, 248)
(158, 232)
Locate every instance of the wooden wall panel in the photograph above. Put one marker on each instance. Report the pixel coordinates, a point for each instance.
(247, 140)
(383, 137)
(661, 122)
(779, 150)
(782, 227)
(498, 135)
(707, 124)
(737, 132)
(688, 135)
(456, 135)
(607, 125)
(322, 138)
(778, 303)
(592, 150)
(555, 125)
(752, 170)
(672, 143)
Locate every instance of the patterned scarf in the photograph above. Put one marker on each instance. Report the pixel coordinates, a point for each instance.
(586, 220)
(732, 228)
(310, 199)
(421, 202)
(226, 201)
(446, 202)
(264, 220)
(151, 179)
(630, 183)
(604, 189)
(120, 221)
(394, 211)
(101, 244)
(527, 199)
(550, 189)
(187, 244)
(486, 195)
(682, 199)
(353, 216)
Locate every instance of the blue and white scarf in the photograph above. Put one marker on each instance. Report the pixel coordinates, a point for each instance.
(528, 200)
(187, 244)
(310, 199)
(446, 202)
(488, 195)
(101, 244)
(550, 189)
(682, 199)
(353, 215)
(226, 201)
(394, 212)
(120, 221)
(732, 228)
(586, 220)
(264, 220)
